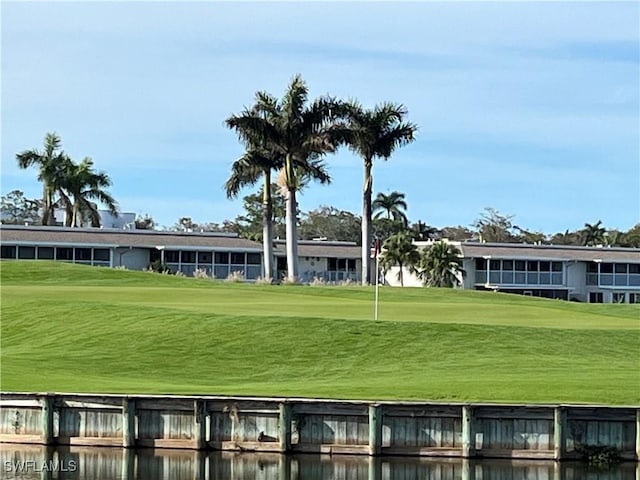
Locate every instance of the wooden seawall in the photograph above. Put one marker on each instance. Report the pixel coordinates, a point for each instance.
(554, 432)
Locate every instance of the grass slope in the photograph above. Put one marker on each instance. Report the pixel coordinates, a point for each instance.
(73, 328)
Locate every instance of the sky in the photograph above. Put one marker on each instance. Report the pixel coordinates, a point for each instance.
(530, 108)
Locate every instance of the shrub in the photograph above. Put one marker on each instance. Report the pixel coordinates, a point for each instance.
(235, 277)
(264, 281)
(200, 273)
(159, 267)
(318, 281)
(347, 283)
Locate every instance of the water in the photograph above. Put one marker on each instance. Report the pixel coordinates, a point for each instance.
(42, 463)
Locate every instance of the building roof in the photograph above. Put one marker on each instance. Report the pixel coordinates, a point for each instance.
(321, 248)
(550, 252)
(40, 235)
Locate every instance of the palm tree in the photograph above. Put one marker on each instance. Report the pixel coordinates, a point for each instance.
(441, 265)
(83, 184)
(393, 205)
(300, 134)
(247, 170)
(52, 163)
(375, 134)
(593, 234)
(400, 250)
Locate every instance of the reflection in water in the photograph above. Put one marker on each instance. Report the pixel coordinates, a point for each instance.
(42, 463)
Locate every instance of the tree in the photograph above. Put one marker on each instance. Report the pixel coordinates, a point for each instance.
(393, 205)
(145, 222)
(298, 132)
(566, 238)
(51, 164)
(250, 224)
(631, 238)
(247, 170)
(373, 134)
(441, 265)
(422, 232)
(593, 234)
(399, 250)
(383, 228)
(526, 236)
(82, 183)
(457, 233)
(330, 223)
(17, 209)
(492, 226)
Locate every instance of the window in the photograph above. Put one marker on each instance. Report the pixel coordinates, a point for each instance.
(204, 257)
(188, 257)
(634, 268)
(481, 264)
(102, 254)
(222, 257)
(83, 254)
(606, 268)
(520, 265)
(172, 256)
(64, 253)
(532, 266)
(342, 264)
(351, 264)
(254, 258)
(619, 297)
(237, 258)
(27, 252)
(545, 266)
(592, 267)
(621, 267)
(556, 266)
(494, 264)
(45, 253)
(332, 264)
(507, 265)
(595, 297)
(8, 252)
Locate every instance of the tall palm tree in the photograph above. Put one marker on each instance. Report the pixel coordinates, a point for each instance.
(247, 170)
(393, 205)
(52, 163)
(593, 234)
(300, 133)
(375, 134)
(399, 250)
(83, 183)
(441, 265)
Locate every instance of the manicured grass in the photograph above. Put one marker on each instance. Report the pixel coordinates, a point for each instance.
(73, 328)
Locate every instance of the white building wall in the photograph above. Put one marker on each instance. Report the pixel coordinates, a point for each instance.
(131, 258)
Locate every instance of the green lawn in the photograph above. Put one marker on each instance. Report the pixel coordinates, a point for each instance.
(82, 329)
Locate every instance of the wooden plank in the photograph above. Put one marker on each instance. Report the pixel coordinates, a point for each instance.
(559, 432)
(128, 423)
(422, 451)
(18, 438)
(199, 424)
(47, 419)
(166, 443)
(90, 441)
(332, 449)
(19, 403)
(527, 413)
(524, 454)
(338, 409)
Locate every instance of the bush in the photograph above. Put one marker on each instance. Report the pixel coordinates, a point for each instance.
(318, 281)
(200, 273)
(235, 277)
(159, 267)
(264, 281)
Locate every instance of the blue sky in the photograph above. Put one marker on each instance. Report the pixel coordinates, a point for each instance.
(530, 108)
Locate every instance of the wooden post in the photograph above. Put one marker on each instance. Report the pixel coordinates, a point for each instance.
(284, 432)
(375, 468)
(559, 432)
(375, 429)
(128, 422)
(638, 434)
(47, 403)
(199, 425)
(468, 432)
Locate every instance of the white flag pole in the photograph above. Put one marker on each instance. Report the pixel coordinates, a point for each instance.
(375, 315)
